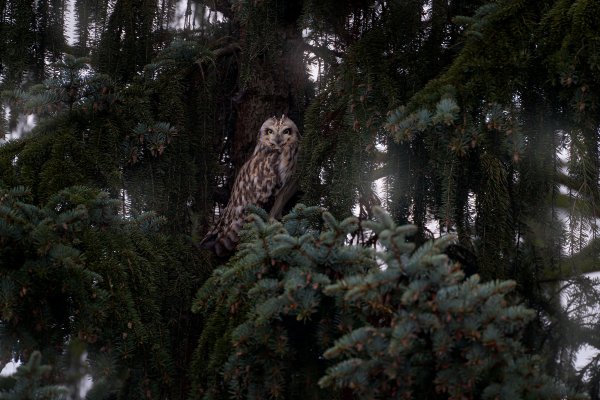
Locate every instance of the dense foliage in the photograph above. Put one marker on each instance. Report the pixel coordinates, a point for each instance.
(399, 322)
(73, 270)
(466, 117)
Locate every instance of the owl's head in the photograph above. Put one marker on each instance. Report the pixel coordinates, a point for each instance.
(275, 134)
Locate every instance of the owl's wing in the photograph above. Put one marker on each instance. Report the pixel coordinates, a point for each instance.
(257, 183)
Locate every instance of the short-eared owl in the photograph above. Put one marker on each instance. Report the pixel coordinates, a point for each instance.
(259, 181)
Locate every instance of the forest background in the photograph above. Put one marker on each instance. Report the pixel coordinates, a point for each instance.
(475, 121)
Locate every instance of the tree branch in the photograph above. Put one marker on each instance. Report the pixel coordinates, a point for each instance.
(222, 6)
(322, 51)
(286, 194)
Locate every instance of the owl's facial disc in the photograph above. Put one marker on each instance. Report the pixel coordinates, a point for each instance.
(275, 133)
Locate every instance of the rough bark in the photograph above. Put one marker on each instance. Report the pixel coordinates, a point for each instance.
(276, 86)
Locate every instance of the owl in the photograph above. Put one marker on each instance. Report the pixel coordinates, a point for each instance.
(260, 180)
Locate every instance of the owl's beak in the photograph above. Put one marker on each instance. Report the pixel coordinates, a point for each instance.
(278, 139)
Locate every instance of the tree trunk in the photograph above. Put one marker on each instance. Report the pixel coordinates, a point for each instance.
(276, 83)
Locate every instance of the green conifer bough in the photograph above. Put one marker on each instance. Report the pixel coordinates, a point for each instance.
(28, 382)
(300, 313)
(75, 271)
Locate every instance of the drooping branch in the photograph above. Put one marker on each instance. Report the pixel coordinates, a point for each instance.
(222, 6)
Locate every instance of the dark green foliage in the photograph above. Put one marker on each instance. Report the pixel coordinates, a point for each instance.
(89, 22)
(504, 187)
(94, 133)
(28, 382)
(382, 54)
(265, 308)
(81, 272)
(17, 28)
(140, 333)
(473, 117)
(71, 85)
(502, 135)
(405, 323)
(126, 45)
(41, 248)
(432, 334)
(78, 137)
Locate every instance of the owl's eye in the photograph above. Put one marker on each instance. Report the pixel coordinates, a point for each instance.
(269, 131)
(287, 131)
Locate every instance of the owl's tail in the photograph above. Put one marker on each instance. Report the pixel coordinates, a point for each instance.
(221, 246)
(209, 241)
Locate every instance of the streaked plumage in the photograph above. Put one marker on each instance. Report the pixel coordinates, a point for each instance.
(258, 182)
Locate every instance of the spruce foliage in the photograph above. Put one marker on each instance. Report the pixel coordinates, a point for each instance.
(476, 118)
(404, 322)
(265, 312)
(430, 332)
(28, 382)
(81, 272)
